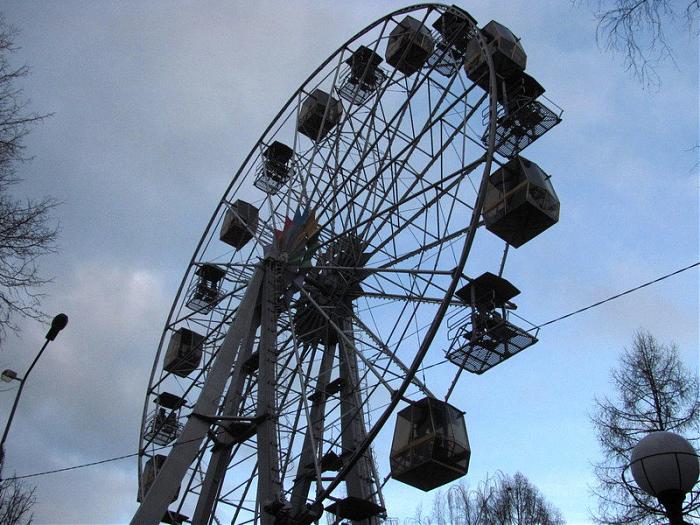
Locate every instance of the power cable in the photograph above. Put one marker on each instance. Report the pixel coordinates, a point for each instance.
(534, 327)
(433, 365)
(74, 467)
(619, 295)
(93, 463)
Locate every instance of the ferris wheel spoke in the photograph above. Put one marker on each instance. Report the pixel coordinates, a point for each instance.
(403, 333)
(413, 140)
(378, 227)
(342, 335)
(390, 129)
(410, 298)
(445, 191)
(452, 179)
(384, 350)
(422, 249)
(407, 150)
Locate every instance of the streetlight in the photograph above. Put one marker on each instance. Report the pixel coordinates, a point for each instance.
(665, 466)
(9, 375)
(59, 323)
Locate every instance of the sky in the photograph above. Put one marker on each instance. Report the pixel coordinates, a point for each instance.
(155, 105)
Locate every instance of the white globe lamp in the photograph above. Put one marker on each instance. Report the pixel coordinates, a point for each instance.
(665, 465)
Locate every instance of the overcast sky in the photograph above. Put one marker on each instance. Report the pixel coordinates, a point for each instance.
(156, 104)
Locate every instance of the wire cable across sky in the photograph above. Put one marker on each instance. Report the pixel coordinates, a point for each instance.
(550, 322)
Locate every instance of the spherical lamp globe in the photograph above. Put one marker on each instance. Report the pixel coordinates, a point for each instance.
(665, 465)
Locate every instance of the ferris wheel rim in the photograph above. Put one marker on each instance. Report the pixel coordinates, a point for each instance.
(488, 157)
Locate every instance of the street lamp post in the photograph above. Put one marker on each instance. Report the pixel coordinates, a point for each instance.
(59, 323)
(665, 466)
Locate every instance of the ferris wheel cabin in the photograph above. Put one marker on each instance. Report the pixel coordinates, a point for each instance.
(318, 115)
(509, 57)
(364, 78)
(410, 44)
(205, 290)
(163, 424)
(275, 170)
(430, 446)
(520, 202)
(455, 28)
(150, 472)
(240, 224)
(184, 352)
(486, 337)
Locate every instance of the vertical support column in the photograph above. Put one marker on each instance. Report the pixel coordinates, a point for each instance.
(186, 447)
(221, 453)
(359, 480)
(269, 484)
(313, 440)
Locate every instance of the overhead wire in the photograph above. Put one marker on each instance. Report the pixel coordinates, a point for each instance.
(649, 283)
(93, 463)
(427, 367)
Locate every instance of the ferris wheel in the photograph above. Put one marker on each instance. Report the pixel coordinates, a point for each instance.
(333, 264)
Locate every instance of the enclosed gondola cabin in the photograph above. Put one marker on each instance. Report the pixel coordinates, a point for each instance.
(410, 44)
(275, 169)
(319, 114)
(509, 57)
(430, 446)
(520, 202)
(239, 225)
(149, 474)
(184, 352)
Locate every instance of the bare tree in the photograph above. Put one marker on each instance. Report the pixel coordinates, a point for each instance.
(498, 500)
(26, 229)
(638, 30)
(654, 391)
(467, 506)
(516, 501)
(16, 501)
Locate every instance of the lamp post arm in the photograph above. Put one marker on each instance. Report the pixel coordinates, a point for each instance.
(22, 381)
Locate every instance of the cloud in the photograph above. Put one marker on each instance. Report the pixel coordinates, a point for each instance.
(84, 400)
(155, 108)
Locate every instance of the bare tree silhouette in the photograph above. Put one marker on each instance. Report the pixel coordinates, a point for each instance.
(638, 30)
(654, 391)
(26, 227)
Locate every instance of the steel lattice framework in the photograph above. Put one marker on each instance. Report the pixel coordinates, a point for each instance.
(312, 329)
